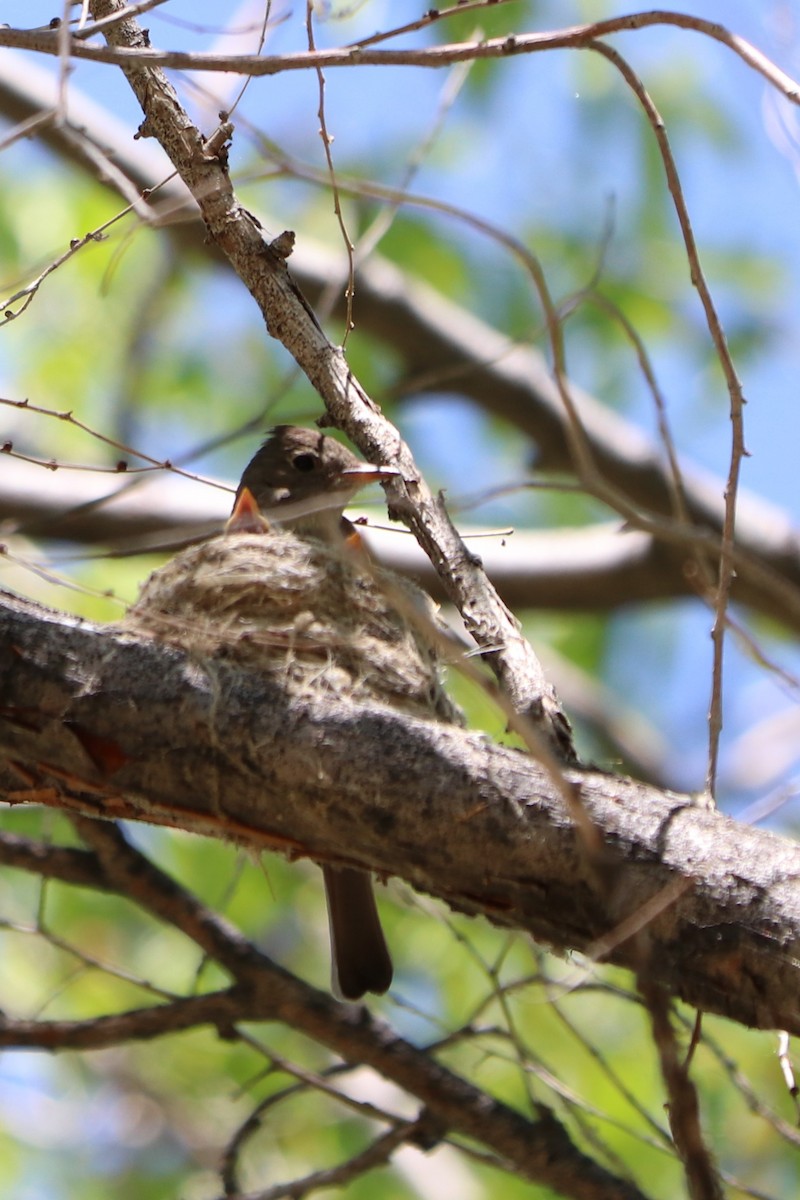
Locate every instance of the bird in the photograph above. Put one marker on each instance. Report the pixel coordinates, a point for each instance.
(301, 479)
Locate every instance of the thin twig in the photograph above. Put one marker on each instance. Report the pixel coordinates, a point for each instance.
(576, 37)
(327, 142)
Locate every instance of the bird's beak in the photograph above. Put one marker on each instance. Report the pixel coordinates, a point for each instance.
(357, 477)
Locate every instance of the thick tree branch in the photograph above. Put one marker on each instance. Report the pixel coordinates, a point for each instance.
(98, 722)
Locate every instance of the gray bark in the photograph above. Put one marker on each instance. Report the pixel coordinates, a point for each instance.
(100, 722)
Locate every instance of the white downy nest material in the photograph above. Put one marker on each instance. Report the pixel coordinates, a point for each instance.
(319, 620)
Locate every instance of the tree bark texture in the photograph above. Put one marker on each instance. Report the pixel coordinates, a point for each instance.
(100, 722)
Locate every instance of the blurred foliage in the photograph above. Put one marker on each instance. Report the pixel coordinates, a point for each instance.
(169, 357)
(535, 1030)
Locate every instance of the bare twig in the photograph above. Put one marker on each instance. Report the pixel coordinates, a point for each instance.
(726, 557)
(701, 1175)
(578, 37)
(327, 141)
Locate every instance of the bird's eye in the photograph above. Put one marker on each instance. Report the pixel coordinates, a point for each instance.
(304, 462)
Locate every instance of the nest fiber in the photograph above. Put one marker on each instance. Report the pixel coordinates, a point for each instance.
(318, 619)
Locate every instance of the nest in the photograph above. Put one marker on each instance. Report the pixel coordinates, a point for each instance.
(319, 620)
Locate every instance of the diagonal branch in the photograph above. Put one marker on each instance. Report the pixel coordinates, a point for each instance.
(262, 268)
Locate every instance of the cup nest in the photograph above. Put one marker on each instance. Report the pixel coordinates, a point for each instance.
(318, 619)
